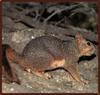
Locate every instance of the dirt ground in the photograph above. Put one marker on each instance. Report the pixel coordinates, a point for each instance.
(61, 81)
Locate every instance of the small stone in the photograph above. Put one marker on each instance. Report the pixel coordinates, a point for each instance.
(29, 86)
(57, 80)
(5, 87)
(32, 37)
(24, 74)
(59, 89)
(78, 86)
(28, 70)
(30, 77)
(86, 65)
(2, 38)
(13, 83)
(12, 89)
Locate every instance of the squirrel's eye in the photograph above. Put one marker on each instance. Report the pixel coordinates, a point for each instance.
(88, 43)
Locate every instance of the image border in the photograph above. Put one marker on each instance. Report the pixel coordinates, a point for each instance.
(96, 1)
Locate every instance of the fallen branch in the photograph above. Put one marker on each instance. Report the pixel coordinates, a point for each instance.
(51, 29)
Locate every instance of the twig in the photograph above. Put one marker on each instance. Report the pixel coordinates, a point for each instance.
(59, 11)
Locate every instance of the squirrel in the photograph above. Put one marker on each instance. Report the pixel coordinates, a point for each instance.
(48, 52)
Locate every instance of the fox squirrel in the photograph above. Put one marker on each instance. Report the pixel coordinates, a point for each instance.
(48, 53)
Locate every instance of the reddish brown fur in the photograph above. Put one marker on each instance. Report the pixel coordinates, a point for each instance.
(8, 69)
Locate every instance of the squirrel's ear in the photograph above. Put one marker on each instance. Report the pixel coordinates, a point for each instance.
(79, 36)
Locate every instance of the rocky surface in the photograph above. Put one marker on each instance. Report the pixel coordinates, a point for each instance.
(61, 81)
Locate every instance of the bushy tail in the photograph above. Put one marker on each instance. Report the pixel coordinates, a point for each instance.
(8, 72)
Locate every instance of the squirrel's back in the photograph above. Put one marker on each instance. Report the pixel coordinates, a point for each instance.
(50, 44)
(57, 47)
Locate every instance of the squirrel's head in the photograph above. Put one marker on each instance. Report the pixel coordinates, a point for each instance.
(86, 48)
